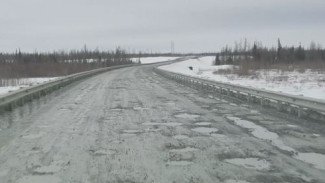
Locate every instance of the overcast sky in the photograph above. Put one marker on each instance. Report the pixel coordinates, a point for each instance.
(194, 25)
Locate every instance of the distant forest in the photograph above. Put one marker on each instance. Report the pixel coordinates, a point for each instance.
(19, 64)
(259, 57)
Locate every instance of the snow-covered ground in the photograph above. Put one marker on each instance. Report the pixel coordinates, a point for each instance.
(149, 60)
(309, 83)
(11, 85)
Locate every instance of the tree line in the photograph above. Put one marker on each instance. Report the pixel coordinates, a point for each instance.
(243, 51)
(60, 63)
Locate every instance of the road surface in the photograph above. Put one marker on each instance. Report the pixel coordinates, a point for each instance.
(132, 125)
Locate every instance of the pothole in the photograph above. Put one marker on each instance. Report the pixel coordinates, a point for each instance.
(179, 163)
(103, 152)
(152, 130)
(170, 103)
(4, 173)
(180, 137)
(184, 150)
(233, 104)
(38, 179)
(262, 133)
(140, 108)
(162, 124)
(33, 136)
(292, 126)
(47, 169)
(203, 124)
(316, 159)
(235, 181)
(205, 130)
(187, 116)
(132, 131)
(250, 163)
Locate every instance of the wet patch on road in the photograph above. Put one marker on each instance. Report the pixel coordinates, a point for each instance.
(43, 170)
(203, 124)
(250, 163)
(316, 159)
(138, 108)
(39, 179)
(184, 150)
(33, 136)
(180, 137)
(103, 152)
(162, 124)
(235, 181)
(131, 131)
(205, 130)
(179, 163)
(261, 133)
(188, 116)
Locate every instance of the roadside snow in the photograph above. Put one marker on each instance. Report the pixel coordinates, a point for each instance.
(309, 83)
(148, 60)
(11, 85)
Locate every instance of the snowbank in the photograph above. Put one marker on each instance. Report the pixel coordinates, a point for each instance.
(309, 83)
(149, 60)
(11, 85)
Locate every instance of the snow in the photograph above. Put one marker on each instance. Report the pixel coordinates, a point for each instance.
(16, 84)
(149, 60)
(310, 83)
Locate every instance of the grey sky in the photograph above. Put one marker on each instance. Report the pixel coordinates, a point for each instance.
(194, 25)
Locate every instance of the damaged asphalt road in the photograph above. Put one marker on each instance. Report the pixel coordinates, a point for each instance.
(132, 125)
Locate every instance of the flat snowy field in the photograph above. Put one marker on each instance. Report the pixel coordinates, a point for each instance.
(309, 83)
(16, 84)
(149, 60)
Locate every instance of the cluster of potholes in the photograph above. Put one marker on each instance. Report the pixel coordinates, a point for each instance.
(185, 156)
(182, 155)
(178, 156)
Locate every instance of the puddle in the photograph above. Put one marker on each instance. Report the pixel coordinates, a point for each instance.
(219, 136)
(39, 179)
(317, 160)
(152, 130)
(203, 124)
(205, 130)
(47, 169)
(316, 135)
(233, 104)
(235, 181)
(29, 153)
(187, 116)
(132, 131)
(250, 163)
(4, 173)
(292, 126)
(162, 124)
(179, 163)
(170, 103)
(180, 137)
(140, 108)
(33, 136)
(256, 118)
(254, 112)
(262, 133)
(187, 149)
(129, 134)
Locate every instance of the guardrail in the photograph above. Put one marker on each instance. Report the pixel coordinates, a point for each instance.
(20, 97)
(303, 107)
